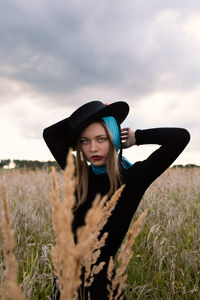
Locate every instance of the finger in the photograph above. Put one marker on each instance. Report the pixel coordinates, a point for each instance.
(124, 138)
(124, 133)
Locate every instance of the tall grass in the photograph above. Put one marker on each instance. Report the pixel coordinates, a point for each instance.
(9, 286)
(166, 259)
(166, 256)
(28, 200)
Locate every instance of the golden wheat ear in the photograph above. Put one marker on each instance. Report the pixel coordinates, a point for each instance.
(65, 255)
(9, 288)
(118, 281)
(95, 220)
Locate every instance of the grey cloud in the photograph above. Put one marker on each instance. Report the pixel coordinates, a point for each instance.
(60, 47)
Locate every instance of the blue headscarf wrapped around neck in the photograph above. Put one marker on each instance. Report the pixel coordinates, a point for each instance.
(115, 134)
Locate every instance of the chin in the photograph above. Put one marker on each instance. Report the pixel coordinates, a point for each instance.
(98, 163)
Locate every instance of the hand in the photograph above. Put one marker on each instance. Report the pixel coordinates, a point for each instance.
(106, 103)
(127, 138)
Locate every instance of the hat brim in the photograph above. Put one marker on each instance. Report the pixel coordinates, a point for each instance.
(59, 137)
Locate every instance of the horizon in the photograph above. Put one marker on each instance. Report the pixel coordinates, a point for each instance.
(12, 164)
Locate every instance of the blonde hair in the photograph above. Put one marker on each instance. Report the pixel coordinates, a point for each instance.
(112, 165)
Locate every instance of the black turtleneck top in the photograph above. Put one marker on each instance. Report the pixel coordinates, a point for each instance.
(137, 179)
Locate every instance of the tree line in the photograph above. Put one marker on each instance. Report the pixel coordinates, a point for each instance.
(27, 164)
(36, 164)
(188, 166)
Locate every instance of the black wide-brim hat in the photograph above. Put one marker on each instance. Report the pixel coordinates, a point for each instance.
(62, 135)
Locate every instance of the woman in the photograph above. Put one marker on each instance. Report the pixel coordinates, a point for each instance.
(94, 132)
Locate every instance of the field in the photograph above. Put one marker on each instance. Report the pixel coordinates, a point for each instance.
(166, 254)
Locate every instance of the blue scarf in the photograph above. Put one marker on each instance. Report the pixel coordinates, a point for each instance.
(115, 134)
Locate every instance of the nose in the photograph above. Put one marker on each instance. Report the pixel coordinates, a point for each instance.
(93, 146)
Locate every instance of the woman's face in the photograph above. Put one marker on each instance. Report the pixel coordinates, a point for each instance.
(95, 144)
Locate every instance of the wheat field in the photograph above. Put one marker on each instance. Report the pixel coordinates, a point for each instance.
(166, 254)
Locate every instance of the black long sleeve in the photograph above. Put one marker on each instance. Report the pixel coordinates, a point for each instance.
(137, 179)
(172, 141)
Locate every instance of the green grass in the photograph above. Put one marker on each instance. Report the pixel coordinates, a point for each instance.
(166, 255)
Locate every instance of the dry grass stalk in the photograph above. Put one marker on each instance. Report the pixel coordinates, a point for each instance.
(118, 277)
(9, 288)
(65, 257)
(96, 219)
(68, 257)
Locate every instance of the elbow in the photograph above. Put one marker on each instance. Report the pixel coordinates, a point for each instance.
(185, 135)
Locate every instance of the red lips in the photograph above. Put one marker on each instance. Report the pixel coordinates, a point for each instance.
(96, 157)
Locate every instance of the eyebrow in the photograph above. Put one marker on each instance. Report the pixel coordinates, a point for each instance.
(101, 135)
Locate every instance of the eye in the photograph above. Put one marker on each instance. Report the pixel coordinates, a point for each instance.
(101, 139)
(84, 142)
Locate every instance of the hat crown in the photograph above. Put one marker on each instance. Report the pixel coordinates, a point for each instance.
(84, 112)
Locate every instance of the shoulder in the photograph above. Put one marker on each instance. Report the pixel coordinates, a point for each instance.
(131, 171)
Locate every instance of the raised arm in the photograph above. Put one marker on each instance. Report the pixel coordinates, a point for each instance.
(172, 141)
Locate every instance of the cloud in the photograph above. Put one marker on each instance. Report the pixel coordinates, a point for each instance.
(55, 56)
(62, 47)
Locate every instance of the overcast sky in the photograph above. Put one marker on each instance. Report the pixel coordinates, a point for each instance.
(57, 55)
